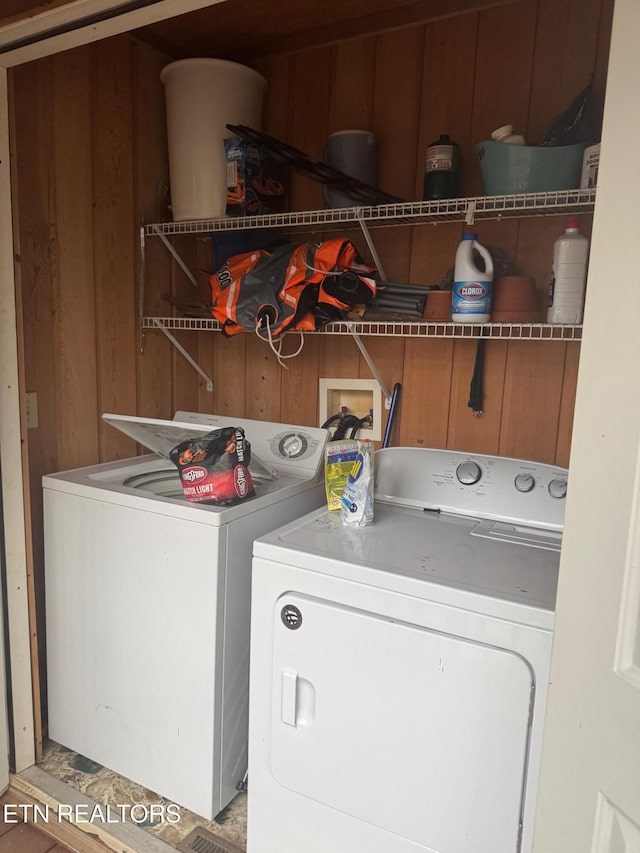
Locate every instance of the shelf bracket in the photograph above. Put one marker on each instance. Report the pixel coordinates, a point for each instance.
(185, 269)
(356, 337)
(182, 351)
(367, 236)
(372, 367)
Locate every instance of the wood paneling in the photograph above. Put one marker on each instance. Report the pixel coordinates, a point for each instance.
(426, 388)
(567, 403)
(151, 185)
(113, 236)
(74, 274)
(396, 109)
(532, 396)
(476, 434)
(308, 102)
(229, 376)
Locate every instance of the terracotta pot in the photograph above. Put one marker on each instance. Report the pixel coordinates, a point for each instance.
(515, 300)
(438, 305)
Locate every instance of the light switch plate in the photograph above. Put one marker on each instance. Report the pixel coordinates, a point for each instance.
(31, 404)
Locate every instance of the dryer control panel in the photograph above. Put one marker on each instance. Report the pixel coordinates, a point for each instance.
(480, 486)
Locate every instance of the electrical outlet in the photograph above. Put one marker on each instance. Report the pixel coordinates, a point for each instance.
(31, 404)
(357, 397)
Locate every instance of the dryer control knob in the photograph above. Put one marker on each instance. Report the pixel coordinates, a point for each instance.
(468, 473)
(558, 488)
(524, 482)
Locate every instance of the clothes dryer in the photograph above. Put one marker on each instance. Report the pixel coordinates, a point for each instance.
(399, 671)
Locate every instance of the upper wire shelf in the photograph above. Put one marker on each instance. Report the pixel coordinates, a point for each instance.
(412, 213)
(401, 328)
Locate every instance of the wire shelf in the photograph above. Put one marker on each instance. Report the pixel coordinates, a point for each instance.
(407, 213)
(401, 329)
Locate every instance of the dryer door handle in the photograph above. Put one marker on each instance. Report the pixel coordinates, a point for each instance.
(298, 706)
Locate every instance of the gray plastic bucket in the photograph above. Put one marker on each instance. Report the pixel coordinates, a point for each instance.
(508, 169)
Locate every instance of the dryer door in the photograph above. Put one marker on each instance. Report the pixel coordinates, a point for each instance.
(420, 733)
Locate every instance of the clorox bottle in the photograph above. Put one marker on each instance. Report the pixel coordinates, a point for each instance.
(471, 299)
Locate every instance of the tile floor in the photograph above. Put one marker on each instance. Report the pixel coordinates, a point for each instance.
(108, 788)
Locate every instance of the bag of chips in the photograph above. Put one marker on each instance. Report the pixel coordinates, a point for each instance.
(214, 468)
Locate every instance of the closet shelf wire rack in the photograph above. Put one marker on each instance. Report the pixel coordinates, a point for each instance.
(468, 210)
(399, 328)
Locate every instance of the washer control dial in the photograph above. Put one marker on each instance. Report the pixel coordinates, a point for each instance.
(468, 473)
(524, 482)
(292, 445)
(558, 488)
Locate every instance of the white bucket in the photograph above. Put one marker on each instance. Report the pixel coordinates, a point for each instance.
(202, 96)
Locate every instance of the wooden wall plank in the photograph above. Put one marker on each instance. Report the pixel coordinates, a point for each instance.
(275, 69)
(567, 404)
(263, 376)
(339, 357)
(466, 431)
(433, 251)
(426, 385)
(74, 287)
(396, 109)
(230, 385)
(308, 119)
(532, 391)
(299, 383)
(151, 183)
(113, 237)
(351, 85)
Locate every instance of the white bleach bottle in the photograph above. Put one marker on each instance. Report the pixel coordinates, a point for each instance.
(566, 292)
(471, 298)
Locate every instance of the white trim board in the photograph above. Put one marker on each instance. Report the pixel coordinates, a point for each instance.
(67, 16)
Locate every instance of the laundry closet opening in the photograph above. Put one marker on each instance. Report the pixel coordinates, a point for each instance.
(90, 164)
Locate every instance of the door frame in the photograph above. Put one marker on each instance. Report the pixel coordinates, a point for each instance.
(21, 634)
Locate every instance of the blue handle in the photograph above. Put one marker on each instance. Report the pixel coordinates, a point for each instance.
(392, 413)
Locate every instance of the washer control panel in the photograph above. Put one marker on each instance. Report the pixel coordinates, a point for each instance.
(481, 486)
(291, 445)
(294, 450)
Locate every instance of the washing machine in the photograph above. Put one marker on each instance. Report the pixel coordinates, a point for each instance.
(399, 671)
(148, 605)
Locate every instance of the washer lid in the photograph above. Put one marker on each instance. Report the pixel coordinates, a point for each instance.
(160, 436)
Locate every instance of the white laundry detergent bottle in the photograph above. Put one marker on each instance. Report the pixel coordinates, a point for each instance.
(567, 289)
(471, 298)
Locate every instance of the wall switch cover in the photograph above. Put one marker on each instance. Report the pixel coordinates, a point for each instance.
(31, 405)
